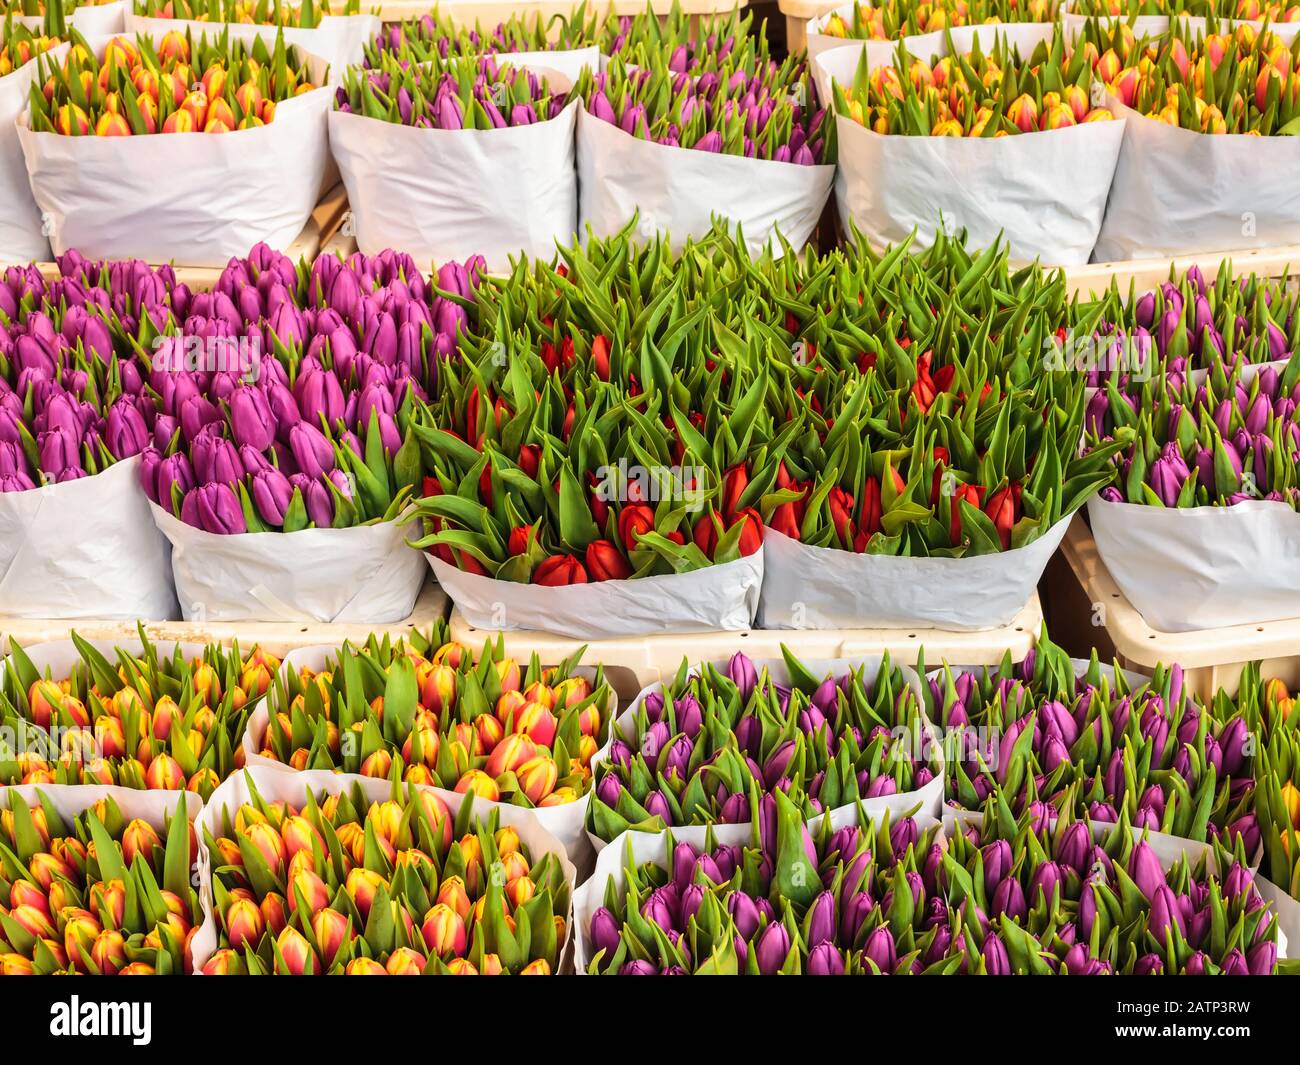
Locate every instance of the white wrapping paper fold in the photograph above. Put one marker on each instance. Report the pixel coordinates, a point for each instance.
(824, 588)
(365, 574)
(926, 800)
(611, 864)
(84, 549)
(679, 190)
(1045, 192)
(717, 598)
(1179, 192)
(281, 786)
(565, 822)
(189, 198)
(1288, 914)
(339, 40)
(449, 194)
(1202, 567)
(22, 237)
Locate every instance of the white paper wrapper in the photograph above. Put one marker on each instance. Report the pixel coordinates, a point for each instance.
(191, 198)
(1179, 192)
(1288, 914)
(93, 20)
(449, 194)
(1286, 32)
(927, 800)
(1144, 25)
(845, 590)
(569, 62)
(280, 786)
(653, 847)
(21, 236)
(57, 563)
(564, 822)
(339, 40)
(365, 574)
(679, 190)
(1045, 192)
(719, 598)
(1202, 567)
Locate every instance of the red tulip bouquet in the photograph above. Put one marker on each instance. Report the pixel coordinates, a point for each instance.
(1017, 120)
(101, 191)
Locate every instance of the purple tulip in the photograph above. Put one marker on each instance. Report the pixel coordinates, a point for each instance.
(772, 948)
(996, 960)
(215, 509)
(881, 950)
(1144, 868)
(743, 674)
(605, 932)
(825, 960)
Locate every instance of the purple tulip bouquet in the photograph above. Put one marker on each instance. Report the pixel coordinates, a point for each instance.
(1205, 497)
(73, 408)
(455, 158)
(1065, 898)
(703, 749)
(1052, 736)
(860, 899)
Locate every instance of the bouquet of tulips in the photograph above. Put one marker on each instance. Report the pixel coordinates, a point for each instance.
(729, 121)
(425, 712)
(1059, 897)
(20, 45)
(131, 89)
(478, 132)
(690, 45)
(1178, 93)
(306, 15)
(1183, 325)
(703, 749)
(85, 887)
(1056, 737)
(302, 423)
(1277, 791)
(346, 883)
(831, 901)
(898, 19)
(141, 719)
(1211, 464)
(891, 114)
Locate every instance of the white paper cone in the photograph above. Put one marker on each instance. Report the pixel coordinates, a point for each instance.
(1288, 914)
(1144, 26)
(679, 190)
(191, 198)
(1202, 567)
(22, 238)
(365, 574)
(449, 194)
(824, 588)
(290, 787)
(55, 562)
(1179, 192)
(94, 20)
(717, 598)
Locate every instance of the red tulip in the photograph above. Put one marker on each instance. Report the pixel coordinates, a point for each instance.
(972, 494)
(517, 544)
(559, 570)
(530, 459)
(606, 563)
(600, 356)
(1001, 509)
(633, 520)
(751, 537)
(841, 505)
(734, 483)
(869, 512)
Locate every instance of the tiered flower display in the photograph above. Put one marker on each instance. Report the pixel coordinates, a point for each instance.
(426, 712)
(184, 85)
(402, 887)
(98, 893)
(143, 720)
(705, 748)
(1048, 738)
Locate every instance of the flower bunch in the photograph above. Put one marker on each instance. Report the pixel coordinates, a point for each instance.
(306, 15)
(342, 885)
(977, 94)
(19, 45)
(892, 19)
(1230, 439)
(96, 893)
(183, 85)
(286, 403)
(763, 115)
(704, 748)
(1056, 898)
(434, 37)
(460, 94)
(140, 720)
(822, 903)
(1048, 737)
(1277, 790)
(1244, 82)
(693, 45)
(425, 712)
